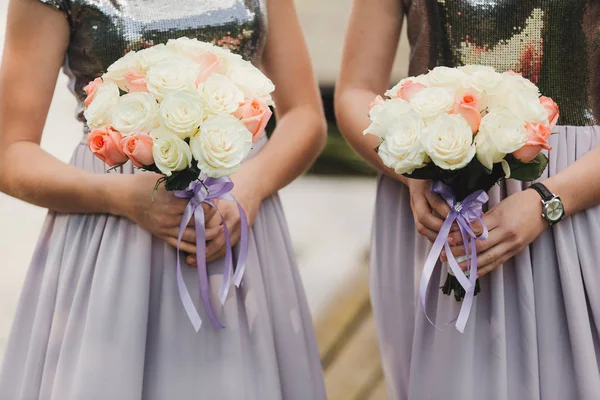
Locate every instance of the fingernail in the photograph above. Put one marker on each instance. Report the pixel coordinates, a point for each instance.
(450, 240)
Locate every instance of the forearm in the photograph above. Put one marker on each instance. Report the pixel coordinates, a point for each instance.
(352, 107)
(295, 144)
(578, 185)
(30, 174)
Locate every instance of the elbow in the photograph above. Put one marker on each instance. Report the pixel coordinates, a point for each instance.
(320, 132)
(339, 104)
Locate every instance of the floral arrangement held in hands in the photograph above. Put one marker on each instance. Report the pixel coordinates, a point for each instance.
(190, 111)
(178, 109)
(466, 129)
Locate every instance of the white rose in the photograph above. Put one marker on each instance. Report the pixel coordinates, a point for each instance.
(474, 68)
(221, 95)
(182, 113)
(99, 112)
(393, 92)
(447, 77)
(449, 142)
(227, 60)
(153, 55)
(172, 75)
(130, 62)
(189, 47)
(500, 133)
(135, 112)
(252, 81)
(527, 107)
(221, 145)
(402, 149)
(431, 102)
(170, 152)
(386, 114)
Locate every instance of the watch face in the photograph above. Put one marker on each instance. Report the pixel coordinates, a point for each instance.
(554, 210)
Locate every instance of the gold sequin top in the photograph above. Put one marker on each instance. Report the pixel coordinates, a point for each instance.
(102, 31)
(554, 43)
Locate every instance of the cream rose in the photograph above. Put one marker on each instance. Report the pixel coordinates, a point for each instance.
(153, 55)
(130, 62)
(252, 81)
(221, 95)
(172, 75)
(447, 77)
(500, 133)
(449, 142)
(170, 152)
(402, 149)
(527, 107)
(386, 114)
(221, 145)
(189, 47)
(182, 113)
(99, 112)
(431, 102)
(135, 112)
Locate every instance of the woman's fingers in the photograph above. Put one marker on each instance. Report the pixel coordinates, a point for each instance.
(185, 246)
(213, 233)
(438, 204)
(425, 217)
(494, 257)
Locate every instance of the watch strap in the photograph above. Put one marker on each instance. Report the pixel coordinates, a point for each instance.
(546, 194)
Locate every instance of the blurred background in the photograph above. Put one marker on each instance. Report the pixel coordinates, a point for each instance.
(331, 237)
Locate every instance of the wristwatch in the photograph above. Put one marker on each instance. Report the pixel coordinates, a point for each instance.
(553, 209)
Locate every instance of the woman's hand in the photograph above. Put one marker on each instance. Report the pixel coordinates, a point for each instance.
(423, 202)
(215, 234)
(512, 225)
(161, 216)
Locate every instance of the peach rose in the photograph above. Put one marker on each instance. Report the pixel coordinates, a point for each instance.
(138, 147)
(467, 106)
(105, 143)
(255, 114)
(91, 89)
(135, 82)
(409, 89)
(552, 109)
(537, 139)
(378, 100)
(208, 64)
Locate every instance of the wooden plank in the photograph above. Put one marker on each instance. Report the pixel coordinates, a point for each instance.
(379, 393)
(350, 375)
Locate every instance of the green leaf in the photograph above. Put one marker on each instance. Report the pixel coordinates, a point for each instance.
(527, 172)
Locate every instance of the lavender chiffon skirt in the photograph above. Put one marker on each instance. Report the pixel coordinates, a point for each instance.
(534, 328)
(100, 318)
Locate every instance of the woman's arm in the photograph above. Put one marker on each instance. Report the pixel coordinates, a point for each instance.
(301, 132)
(36, 40)
(369, 52)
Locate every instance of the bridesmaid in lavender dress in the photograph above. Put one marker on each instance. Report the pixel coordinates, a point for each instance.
(100, 316)
(534, 331)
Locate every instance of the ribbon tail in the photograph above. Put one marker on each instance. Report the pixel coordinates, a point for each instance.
(203, 269)
(244, 243)
(184, 293)
(228, 269)
(465, 310)
(431, 262)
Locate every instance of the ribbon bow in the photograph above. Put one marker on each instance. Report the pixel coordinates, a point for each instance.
(206, 191)
(464, 213)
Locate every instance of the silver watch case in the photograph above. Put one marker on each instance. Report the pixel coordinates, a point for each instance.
(553, 210)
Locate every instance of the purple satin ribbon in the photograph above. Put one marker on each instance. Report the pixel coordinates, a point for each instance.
(207, 192)
(464, 213)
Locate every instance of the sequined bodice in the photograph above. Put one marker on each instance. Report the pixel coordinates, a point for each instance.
(102, 31)
(554, 43)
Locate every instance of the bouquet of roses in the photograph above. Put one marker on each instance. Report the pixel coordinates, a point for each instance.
(466, 129)
(190, 111)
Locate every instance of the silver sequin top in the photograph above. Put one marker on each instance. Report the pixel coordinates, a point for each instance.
(102, 31)
(554, 43)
